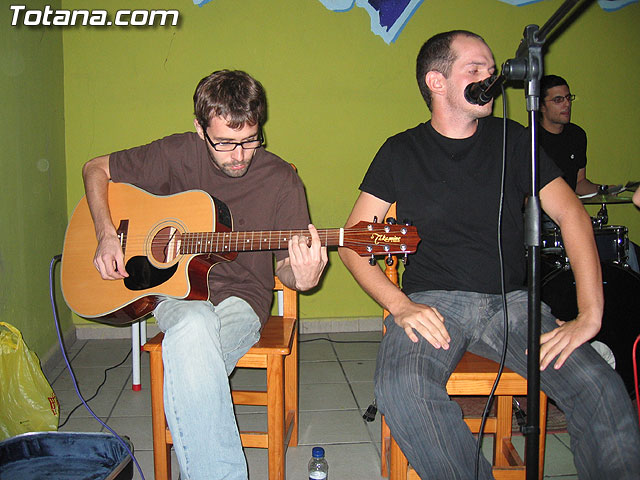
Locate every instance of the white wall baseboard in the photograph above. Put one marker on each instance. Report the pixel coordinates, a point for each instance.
(99, 331)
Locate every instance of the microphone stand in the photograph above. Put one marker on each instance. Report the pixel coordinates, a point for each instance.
(528, 66)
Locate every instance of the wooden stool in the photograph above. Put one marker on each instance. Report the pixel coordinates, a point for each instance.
(277, 352)
(474, 376)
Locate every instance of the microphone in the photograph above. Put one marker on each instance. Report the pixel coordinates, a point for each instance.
(481, 93)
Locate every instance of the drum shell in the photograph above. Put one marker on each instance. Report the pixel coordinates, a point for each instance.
(621, 317)
(551, 242)
(612, 242)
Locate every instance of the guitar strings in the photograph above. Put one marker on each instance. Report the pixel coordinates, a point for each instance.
(144, 240)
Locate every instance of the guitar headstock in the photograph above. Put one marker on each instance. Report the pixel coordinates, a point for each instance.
(369, 239)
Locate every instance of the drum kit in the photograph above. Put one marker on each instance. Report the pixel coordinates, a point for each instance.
(620, 279)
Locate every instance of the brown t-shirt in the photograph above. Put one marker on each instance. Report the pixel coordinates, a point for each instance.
(270, 196)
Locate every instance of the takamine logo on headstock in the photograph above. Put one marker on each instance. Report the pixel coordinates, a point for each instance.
(379, 238)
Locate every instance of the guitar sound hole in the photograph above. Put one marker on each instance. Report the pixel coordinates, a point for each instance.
(165, 246)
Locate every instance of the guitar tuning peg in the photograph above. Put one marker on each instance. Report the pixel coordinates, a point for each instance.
(391, 221)
(375, 219)
(408, 223)
(372, 260)
(389, 260)
(405, 259)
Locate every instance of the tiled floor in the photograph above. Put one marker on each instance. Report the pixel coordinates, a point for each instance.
(335, 388)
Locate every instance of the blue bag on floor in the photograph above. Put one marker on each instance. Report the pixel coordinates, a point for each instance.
(65, 456)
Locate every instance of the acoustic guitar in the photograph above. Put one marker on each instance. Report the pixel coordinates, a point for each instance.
(171, 242)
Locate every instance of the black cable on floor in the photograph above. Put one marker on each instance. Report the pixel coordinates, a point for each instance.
(97, 390)
(338, 341)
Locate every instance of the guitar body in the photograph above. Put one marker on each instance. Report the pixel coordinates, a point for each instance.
(149, 227)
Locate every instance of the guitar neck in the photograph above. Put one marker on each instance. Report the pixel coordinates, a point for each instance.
(222, 242)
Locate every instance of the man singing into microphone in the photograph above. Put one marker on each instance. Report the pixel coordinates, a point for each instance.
(445, 176)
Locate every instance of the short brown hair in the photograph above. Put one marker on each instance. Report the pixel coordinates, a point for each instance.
(436, 55)
(233, 95)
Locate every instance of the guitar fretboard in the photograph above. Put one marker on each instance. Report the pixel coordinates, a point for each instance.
(220, 242)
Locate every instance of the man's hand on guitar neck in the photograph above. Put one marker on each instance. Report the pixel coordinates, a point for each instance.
(303, 268)
(109, 259)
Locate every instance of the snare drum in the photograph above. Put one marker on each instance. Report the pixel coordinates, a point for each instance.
(613, 243)
(552, 242)
(621, 318)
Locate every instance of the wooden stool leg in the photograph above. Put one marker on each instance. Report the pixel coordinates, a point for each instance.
(398, 463)
(291, 389)
(161, 449)
(503, 431)
(385, 448)
(543, 434)
(275, 416)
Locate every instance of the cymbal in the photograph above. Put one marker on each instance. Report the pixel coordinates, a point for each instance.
(604, 199)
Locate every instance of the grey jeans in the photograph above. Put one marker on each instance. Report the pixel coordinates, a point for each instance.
(410, 390)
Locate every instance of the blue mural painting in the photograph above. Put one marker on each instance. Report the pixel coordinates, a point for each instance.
(612, 5)
(389, 17)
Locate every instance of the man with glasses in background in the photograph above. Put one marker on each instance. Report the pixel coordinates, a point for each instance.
(205, 339)
(562, 140)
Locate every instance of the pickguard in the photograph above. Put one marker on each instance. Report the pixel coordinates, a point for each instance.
(143, 275)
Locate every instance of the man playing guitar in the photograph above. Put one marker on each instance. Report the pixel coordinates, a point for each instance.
(204, 339)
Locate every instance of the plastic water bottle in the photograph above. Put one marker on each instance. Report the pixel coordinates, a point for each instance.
(318, 466)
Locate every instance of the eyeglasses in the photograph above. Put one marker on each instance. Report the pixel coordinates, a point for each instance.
(231, 146)
(559, 99)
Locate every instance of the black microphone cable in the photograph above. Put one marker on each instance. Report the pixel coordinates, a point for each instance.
(503, 357)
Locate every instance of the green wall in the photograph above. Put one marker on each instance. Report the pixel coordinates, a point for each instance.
(33, 194)
(335, 90)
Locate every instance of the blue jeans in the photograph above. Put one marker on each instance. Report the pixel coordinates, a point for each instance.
(201, 347)
(410, 390)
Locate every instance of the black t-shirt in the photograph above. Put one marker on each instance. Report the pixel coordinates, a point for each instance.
(568, 149)
(450, 189)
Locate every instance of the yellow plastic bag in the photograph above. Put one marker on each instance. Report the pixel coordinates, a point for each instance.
(27, 401)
